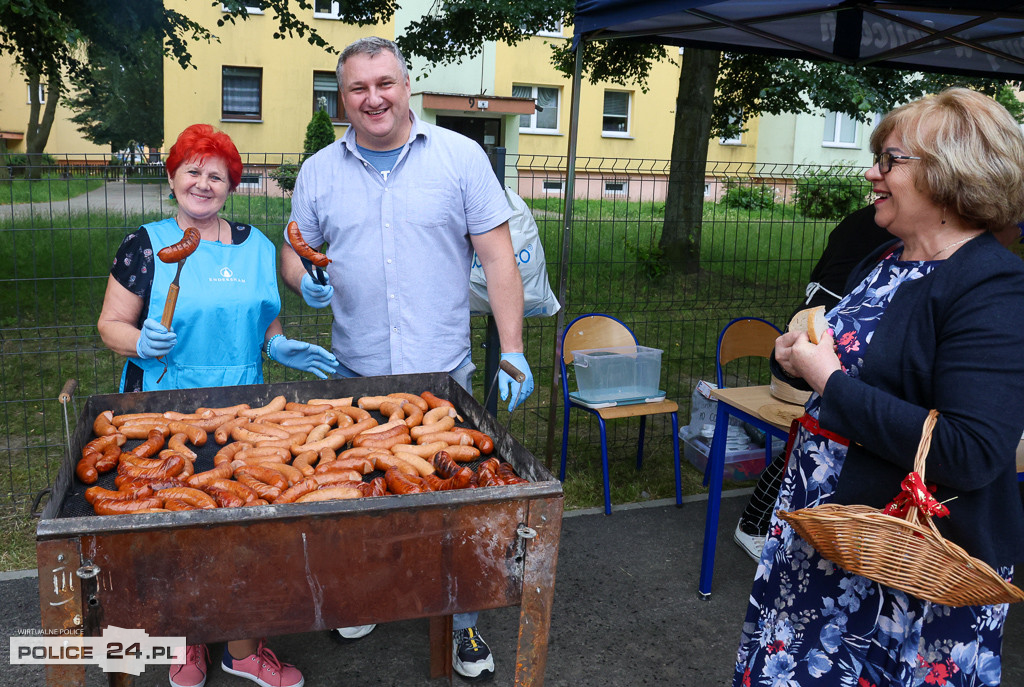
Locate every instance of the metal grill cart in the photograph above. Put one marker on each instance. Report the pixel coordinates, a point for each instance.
(303, 567)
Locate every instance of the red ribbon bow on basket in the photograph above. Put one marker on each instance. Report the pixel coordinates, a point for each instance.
(915, 493)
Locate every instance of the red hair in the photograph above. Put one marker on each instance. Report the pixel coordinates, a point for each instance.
(201, 141)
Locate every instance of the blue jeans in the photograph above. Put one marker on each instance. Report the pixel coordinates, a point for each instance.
(463, 375)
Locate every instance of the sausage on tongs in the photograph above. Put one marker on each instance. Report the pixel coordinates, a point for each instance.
(312, 259)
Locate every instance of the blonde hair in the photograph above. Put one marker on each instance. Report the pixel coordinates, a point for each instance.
(971, 150)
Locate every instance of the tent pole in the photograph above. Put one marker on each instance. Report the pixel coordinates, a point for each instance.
(563, 258)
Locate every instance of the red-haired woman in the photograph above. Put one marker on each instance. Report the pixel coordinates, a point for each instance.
(225, 319)
(226, 315)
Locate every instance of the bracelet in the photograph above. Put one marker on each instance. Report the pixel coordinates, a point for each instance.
(271, 341)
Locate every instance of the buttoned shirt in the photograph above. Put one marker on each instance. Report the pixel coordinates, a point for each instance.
(400, 246)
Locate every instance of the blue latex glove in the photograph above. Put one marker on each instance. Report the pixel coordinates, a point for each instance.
(510, 388)
(301, 355)
(155, 340)
(316, 296)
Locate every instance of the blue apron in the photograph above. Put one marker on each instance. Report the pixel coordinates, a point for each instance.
(228, 297)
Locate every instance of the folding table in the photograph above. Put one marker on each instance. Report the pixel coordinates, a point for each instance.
(743, 403)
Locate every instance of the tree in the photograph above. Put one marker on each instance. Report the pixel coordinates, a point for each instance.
(120, 101)
(319, 133)
(49, 38)
(717, 92)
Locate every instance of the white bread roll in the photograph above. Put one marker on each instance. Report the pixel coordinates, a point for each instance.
(812, 321)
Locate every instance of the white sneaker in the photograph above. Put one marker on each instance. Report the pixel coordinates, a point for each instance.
(753, 544)
(350, 634)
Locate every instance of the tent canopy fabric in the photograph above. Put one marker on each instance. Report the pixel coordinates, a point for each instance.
(951, 36)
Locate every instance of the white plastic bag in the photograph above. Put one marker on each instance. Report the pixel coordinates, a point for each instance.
(538, 298)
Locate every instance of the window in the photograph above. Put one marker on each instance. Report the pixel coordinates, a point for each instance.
(616, 187)
(553, 31)
(251, 181)
(325, 91)
(616, 114)
(249, 9)
(41, 99)
(840, 131)
(241, 92)
(736, 140)
(553, 186)
(545, 119)
(326, 9)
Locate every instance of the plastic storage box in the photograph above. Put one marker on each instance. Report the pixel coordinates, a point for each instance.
(740, 466)
(618, 374)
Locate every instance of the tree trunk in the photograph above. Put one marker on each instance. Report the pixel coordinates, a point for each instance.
(684, 203)
(38, 131)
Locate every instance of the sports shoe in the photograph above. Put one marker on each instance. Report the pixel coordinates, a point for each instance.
(192, 673)
(351, 634)
(263, 668)
(471, 657)
(753, 544)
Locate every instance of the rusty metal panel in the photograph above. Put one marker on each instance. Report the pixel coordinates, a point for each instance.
(60, 600)
(312, 574)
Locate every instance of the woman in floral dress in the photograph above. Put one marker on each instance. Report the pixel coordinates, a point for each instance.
(935, 320)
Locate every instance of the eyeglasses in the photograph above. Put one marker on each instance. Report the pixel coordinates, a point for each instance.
(885, 160)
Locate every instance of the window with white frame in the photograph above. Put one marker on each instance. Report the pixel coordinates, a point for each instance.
(326, 9)
(545, 119)
(241, 92)
(736, 140)
(325, 92)
(840, 131)
(249, 9)
(616, 187)
(553, 186)
(615, 121)
(552, 31)
(40, 98)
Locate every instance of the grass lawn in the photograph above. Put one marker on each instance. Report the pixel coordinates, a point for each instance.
(46, 190)
(54, 278)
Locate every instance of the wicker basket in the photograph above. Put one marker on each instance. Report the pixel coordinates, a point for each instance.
(906, 553)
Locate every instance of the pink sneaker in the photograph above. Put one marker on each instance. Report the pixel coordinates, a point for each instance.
(263, 668)
(193, 672)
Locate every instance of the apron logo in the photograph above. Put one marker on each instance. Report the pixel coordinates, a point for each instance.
(226, 275)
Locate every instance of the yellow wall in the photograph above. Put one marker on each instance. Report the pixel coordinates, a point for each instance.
(652, 114)
(64, 137)
(745, 151)
(194, 95)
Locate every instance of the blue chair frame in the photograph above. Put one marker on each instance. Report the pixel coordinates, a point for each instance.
(608, 331)
(753, 342)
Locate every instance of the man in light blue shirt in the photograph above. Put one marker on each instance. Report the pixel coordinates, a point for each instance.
(403, 205)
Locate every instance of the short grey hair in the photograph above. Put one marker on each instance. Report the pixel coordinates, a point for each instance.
(370, 46)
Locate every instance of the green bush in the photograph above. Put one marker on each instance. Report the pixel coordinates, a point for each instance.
(18, 162)
(831, 193)
(285, 176)
(319, 133)
(748, 196)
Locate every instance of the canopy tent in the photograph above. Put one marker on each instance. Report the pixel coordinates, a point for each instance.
(951, 36)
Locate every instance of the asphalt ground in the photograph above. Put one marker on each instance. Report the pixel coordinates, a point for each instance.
(626, 612)
(112, 198)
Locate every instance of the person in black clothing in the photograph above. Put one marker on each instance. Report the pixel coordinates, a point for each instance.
(851, 241)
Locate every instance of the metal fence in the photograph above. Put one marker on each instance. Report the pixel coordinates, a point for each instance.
(756, 250)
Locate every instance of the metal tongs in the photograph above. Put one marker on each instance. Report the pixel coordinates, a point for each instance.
(513, 372)
(315, 273)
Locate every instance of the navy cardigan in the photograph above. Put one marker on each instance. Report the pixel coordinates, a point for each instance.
(952, 340)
